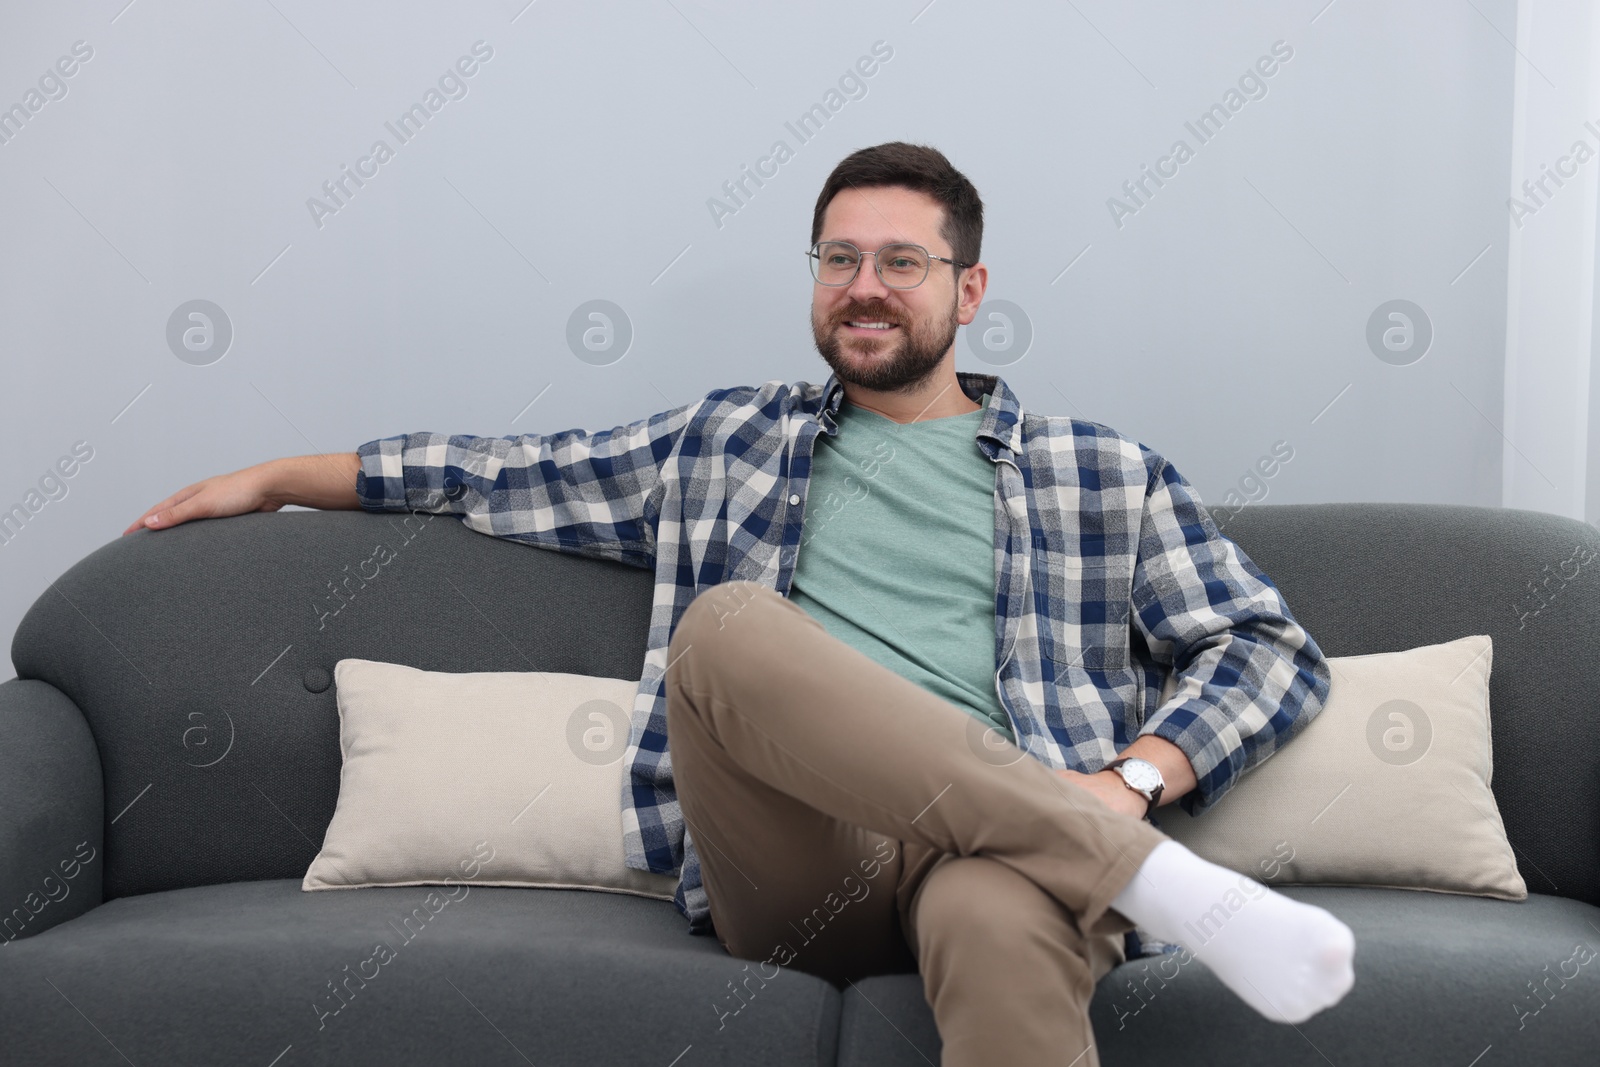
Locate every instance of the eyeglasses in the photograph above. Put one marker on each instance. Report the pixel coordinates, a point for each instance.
(899, 266)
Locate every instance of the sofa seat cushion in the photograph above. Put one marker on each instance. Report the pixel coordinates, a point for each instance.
(238, 973)
(1439, 979)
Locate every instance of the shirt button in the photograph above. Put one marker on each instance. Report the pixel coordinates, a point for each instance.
(794, 498)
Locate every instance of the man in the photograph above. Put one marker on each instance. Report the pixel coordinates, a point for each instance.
(977, 585)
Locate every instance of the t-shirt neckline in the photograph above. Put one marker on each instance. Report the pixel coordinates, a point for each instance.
(856, 409)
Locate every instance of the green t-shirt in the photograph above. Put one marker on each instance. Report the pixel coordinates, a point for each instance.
(896, 553)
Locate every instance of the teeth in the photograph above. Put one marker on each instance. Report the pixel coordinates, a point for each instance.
(873, 325)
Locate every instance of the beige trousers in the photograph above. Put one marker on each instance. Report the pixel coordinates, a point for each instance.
(850, 823)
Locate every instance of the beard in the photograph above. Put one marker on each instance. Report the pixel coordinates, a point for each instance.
(899, 362)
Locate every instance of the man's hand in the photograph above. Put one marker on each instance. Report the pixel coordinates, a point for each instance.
(320, 481)
(1109, 788)
(216, 497)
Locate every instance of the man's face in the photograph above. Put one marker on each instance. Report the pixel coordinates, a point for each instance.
(922, 321)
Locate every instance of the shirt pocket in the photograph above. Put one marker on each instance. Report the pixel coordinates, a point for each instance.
(1084, 605)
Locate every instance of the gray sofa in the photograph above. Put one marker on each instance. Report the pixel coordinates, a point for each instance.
(169, 761)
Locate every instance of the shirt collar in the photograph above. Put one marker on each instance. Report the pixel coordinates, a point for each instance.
(1002, 416)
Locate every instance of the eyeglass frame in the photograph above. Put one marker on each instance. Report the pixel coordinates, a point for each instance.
(812, 253)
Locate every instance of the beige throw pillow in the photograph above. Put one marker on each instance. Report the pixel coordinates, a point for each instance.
(1387, 786)
(494, 778)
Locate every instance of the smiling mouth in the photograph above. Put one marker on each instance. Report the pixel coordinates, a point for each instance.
(869, 327)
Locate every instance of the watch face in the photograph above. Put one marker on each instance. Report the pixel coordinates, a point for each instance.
(1141, 774)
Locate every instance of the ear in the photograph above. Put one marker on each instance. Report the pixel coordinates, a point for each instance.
(969, 294)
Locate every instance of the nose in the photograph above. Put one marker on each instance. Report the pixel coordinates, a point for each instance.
(867, 286)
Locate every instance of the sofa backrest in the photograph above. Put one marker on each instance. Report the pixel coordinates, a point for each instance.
(202, 656)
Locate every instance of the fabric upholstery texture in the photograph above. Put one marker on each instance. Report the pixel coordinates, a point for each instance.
(43, 738)
(238, 973)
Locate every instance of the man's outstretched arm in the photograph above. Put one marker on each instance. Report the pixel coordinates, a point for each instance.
(326, 482)
(595, 493)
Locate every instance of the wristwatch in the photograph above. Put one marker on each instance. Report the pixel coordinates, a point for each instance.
(1141, 776)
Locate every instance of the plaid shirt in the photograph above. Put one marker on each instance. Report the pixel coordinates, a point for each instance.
(1108, 572)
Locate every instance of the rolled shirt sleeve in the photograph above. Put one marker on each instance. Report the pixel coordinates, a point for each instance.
(596, 494)
(1249, 677)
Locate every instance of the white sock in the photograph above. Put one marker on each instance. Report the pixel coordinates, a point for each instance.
(1286, 959)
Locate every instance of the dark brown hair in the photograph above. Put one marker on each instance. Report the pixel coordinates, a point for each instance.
(917, 167)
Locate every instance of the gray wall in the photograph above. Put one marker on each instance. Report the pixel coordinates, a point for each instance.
(1225, 313)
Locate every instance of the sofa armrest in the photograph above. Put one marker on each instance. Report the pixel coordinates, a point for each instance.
(52, 811)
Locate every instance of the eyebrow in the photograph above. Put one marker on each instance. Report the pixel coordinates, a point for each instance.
(862, 245)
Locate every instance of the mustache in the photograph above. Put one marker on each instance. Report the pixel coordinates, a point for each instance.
(868, 314)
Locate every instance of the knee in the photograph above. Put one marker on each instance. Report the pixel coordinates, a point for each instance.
(713, 613)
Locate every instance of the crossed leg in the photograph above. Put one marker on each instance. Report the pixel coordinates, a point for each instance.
(809, 775)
